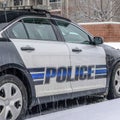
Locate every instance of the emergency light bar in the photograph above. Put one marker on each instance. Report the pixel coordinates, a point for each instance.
(27, 9)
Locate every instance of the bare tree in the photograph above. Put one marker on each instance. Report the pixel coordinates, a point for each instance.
(94, 10)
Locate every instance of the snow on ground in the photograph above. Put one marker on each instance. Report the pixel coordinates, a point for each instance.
(113, 44)
(98, 23)
(108, 110)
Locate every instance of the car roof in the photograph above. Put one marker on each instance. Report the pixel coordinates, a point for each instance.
(10, 15)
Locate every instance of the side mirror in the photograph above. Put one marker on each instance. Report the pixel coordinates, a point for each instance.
(98, 40)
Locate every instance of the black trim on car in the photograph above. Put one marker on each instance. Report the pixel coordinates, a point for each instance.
(57, 32)
(54, 98)
(4, 40)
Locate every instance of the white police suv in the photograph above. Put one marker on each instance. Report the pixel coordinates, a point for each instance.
(45, 57)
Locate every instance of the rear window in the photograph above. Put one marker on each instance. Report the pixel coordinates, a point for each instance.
(17, 31)
(39, 29)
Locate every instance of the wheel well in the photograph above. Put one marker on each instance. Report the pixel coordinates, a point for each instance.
(22, 77)
(113, 67)
(111, 93)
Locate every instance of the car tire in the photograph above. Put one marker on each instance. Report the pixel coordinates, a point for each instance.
(13, 98)
(114, 86)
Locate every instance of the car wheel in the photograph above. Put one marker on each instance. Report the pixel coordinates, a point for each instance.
(13, 98)
(114, 87)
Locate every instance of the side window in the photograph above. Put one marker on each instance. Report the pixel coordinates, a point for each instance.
(17, 31)
(72, 33)
(39, 29)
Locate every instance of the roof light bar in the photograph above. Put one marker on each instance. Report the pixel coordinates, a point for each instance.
(28, 9)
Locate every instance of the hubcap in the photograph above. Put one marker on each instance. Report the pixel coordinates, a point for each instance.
(10, 101)
(117, 81)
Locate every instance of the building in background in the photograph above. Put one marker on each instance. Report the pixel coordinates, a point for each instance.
(54, 5)
(3, 3)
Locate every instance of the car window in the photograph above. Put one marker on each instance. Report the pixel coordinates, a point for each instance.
(39, 29)
(72, 33)
(17, 31)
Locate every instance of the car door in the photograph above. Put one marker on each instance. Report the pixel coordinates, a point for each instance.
(88, 61)
(42, 54)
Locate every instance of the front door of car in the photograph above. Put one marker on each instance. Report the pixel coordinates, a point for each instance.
(88, 62)
(44, 56)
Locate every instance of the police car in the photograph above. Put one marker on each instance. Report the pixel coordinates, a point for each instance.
(47, 58)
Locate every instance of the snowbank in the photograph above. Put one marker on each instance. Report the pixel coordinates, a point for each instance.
(108, 110)
(113, 44)
(98, 23)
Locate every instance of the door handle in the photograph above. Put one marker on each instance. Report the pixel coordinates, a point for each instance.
(77, 50)
(27, 48)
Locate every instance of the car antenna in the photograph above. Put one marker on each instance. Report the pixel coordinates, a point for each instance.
(5, 15)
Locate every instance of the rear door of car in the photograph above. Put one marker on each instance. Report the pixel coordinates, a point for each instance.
(88, 61)
(43, 54)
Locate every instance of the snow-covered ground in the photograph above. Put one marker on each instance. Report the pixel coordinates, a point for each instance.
(107, 110)
(113, 44)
